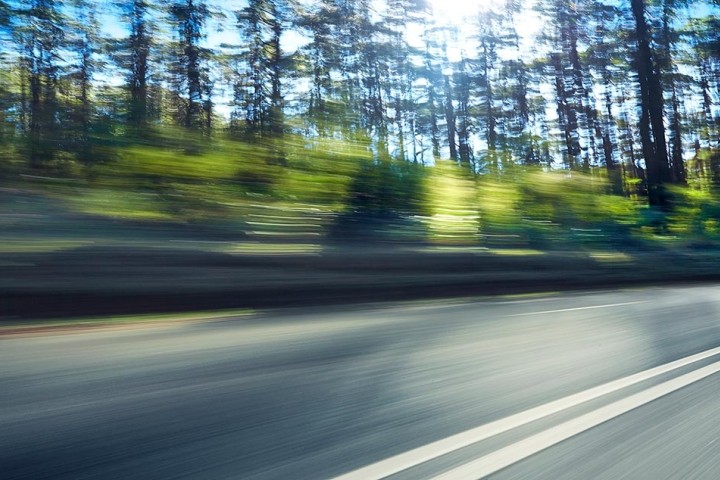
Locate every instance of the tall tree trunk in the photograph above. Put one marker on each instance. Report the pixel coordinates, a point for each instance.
(276, 100)
(581, 111)
(665, 63)
(566, 115)
(140, 50)
(190, 17)
(652, 128)
(36, 115)
(85, 154)
(400, 127)
(490, 120)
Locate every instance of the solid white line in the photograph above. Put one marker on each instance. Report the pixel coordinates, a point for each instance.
(505, 457)
(576, 308)
(403, 461)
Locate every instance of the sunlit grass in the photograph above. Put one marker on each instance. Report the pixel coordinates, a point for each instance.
(452, 249)
(610, 257)
(515, 252)
(257, 248)
(123, 320)
(291, 189)
(40, 245)
(452, 203)
(119, 204)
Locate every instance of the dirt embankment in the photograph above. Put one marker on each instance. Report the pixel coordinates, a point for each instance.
(103, 280)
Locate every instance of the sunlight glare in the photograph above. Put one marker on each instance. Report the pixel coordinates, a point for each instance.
(459, 11)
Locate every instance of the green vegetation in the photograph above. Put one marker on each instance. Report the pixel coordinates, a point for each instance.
(335, 190)
(311, 124)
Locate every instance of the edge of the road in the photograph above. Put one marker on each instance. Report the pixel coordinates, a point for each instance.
(116, 281)
(81, 323)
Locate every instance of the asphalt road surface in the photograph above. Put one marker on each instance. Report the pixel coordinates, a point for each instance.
(603, 385)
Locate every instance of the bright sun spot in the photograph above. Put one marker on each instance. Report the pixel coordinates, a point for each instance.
(463, 15)
(459, 11)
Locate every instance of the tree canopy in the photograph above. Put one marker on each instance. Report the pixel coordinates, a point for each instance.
(361, 92)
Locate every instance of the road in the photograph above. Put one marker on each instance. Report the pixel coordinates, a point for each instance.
(608, 385)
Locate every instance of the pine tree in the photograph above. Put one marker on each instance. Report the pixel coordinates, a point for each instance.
(40, 36)
(652, 128)
(134, 57)
(190, 68)
(258, 86)
(85, 44)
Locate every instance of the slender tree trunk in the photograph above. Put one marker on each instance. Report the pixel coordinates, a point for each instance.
(400, 127)
(450, 119)
(85, 107)
(36, 109)
(434, 129)
(581, 106)
(613, 172)
(665, 63)
(491, 120)
(705, 74)
(463, 127)
(678, 163)
(276, 100)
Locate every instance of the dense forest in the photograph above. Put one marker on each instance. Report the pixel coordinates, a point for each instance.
(603, 119)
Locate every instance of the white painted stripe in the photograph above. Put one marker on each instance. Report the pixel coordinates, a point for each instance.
(505, 457)
(403, 461)
(610, 305)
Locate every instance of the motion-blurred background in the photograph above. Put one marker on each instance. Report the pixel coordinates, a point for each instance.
(286, 147)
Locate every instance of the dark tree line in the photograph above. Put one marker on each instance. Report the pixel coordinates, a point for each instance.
(628, 90)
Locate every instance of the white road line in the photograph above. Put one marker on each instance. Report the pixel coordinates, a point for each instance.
(505, 457)
(411, 458)
(576, 308)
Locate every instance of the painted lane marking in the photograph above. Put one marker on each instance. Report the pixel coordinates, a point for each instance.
(610, 305)
(489, 464)
(411, 458)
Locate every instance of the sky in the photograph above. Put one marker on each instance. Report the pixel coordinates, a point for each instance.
(461, 14)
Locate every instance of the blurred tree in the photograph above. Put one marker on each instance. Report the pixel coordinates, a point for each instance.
(7, 100)
(84, 42)
(428, 111)
(400, 15)
(652, 127)
(596, 94)
(450, 118)
(133, 56)
(490, 37)
(605, 53)
(39, 35)
(577, 112)
(322, 56)
(463, 87)
(189, 66)
(258, 88)
(704, 36)
(670, 77)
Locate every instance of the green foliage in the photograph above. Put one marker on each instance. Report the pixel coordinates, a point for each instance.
(387, 188)
(336, 131)
(452, 204)
(341, 188)
(696, 214)
(555, 210)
